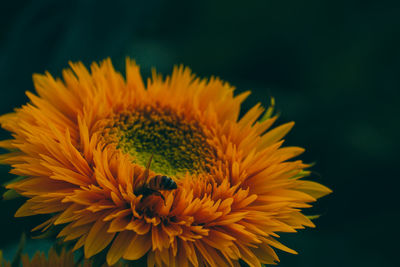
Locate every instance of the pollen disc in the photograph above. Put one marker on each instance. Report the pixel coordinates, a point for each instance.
(178, 145)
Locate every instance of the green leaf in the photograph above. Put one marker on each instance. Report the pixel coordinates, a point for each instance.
(269, 112)
(302, 174)
(313, 217)
(10, 194)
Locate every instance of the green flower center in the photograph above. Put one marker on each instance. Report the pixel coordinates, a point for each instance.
(178, 146)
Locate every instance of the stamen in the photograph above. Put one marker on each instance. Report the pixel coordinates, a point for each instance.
(178, 146)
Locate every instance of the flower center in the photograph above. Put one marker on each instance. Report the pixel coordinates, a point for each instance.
(178, 146)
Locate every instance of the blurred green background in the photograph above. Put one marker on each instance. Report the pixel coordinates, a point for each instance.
(333, 67)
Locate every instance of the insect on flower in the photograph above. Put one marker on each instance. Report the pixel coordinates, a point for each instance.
(81, 147)
(151, 186)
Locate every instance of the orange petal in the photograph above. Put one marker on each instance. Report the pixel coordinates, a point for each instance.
(98, 238)
(119, 246)
(313, 189)
(138, 247)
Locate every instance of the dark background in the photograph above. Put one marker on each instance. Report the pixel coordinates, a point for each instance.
(333, 67)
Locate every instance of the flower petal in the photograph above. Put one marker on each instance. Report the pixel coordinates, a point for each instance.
(98, 238)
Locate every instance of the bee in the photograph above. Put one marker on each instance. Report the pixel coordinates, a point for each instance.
(146, 186)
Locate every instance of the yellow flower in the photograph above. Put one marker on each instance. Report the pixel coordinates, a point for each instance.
(3, 262)
(82, 145)
(64, 259)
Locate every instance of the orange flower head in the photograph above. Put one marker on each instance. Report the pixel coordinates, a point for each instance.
(63, 259)
(83, 147)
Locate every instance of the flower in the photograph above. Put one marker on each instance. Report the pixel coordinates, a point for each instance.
(3, 262)
(82, 146)
(64, 259)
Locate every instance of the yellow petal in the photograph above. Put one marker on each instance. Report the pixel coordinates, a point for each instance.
(98, 238)
(313, 189)
(25, 210)
(119, 246)
(138, 247)
(272, 242)
(275, 134)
